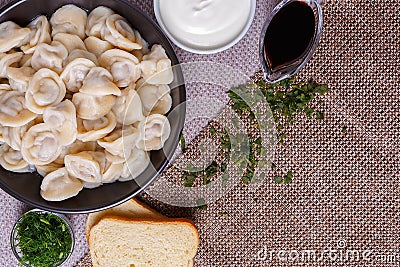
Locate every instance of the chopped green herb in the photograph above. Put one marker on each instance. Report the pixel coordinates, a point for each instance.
(183, 143)
(286, 99)
(278, 179)
(319, 115)
(201, 204)
(288, 178)
(188, 179)
(43, 239)
(212, 130)
(344, 129)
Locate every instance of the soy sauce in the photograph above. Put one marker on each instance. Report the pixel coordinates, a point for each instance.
(289, 34)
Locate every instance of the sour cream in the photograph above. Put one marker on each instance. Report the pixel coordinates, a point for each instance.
(205, 25)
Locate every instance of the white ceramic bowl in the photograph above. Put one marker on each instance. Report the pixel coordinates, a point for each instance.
(204, 51)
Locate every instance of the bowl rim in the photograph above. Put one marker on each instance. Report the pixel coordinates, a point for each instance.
(224, 47)
(168, 154)
(63, 218)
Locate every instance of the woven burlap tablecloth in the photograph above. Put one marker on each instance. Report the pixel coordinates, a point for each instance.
(344, 195)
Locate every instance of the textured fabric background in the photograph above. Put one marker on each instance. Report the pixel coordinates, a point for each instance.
(345, 191)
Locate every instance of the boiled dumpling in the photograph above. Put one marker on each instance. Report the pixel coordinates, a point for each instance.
(40, 145)
(97, 20)
(69, 19)
(90, 107)
(135, 164)
(7, 60)
(4, 87)
(13, 135)
(19, 77)
(79, 53)
(26, 60)
(12, 160)
(97, 46)
(123, 66)
(92, 130)
(49, 56)
(112, 172)
(70, 41)
(13, 111)
(75, 147)
(59, 185)
(79, 146)
(128, 106)
(120, 141)
(12, 35)
(40, 33)
(155, 98)
(119, 33)
(86, 166)
(154, 131)
(145, 47)
(75, 72)
(62, 120)
(45, 89)
(43, 170)
(156, 67)
(98, 82)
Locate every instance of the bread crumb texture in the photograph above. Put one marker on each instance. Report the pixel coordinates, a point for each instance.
(119, 242)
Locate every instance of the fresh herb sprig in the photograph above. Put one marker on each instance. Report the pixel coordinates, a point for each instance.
(43, 238)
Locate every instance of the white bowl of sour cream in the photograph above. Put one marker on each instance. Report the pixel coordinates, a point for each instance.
(205, 26)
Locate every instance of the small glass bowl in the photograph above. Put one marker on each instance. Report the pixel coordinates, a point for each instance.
(16, 250)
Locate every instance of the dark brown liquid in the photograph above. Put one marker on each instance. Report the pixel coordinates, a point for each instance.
(289, 34)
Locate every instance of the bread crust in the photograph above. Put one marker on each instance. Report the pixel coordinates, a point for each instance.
(88, 224)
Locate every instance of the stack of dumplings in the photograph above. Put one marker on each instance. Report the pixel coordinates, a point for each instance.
(82, 100)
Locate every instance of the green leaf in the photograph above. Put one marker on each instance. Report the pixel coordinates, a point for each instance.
(183, 143)
(201, 204)
(309, 111)
(288, 178)
(188, 179)
(212, 130)
(278, 179)
(319, 115)
(322, 89)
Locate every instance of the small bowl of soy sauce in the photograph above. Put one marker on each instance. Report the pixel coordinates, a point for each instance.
(289, 38)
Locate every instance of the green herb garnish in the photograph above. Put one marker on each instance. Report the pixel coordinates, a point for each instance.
(287, 99)
(183, 142)
(201, 204)
(43, 239)
(190, 177)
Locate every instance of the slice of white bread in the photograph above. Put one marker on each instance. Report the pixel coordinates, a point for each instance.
(121, 242)
(129, 209)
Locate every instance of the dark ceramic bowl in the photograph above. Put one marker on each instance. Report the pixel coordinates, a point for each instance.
(26, 186)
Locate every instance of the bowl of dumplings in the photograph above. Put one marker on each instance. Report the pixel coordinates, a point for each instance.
(91, 107)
